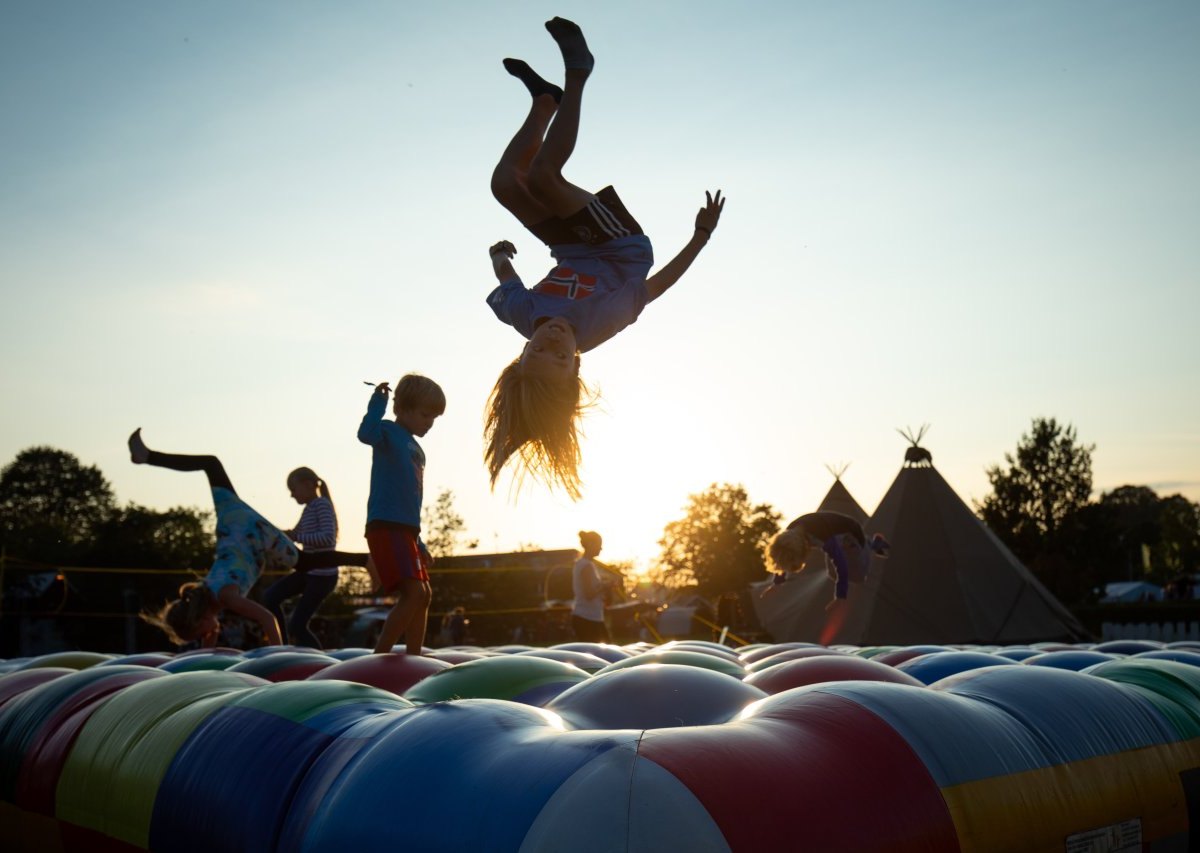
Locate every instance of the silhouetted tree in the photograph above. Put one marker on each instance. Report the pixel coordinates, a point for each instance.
(1134, 518)
(1048, 480)
(442, 527)
(720, 540)
(1035, 504)
(138, 537)
(51, 505)
(1177, 551)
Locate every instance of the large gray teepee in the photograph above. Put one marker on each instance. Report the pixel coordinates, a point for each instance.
(948, 580)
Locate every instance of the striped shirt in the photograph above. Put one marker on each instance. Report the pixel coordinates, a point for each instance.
(317, 530)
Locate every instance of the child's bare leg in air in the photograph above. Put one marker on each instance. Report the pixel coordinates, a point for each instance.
(528, 180)
(140, 454)
(546, 181)
(510, 179)
(408, 618)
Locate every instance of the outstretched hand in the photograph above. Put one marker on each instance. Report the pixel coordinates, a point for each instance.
(504, 249)
(710, 214)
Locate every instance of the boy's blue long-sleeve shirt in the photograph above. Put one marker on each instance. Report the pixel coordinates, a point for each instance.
(397, 467)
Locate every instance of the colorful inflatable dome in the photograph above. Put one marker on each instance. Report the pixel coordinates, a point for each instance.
(942, 750)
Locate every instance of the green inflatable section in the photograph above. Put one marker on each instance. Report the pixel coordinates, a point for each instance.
(22, 719)
(112, 774)
(682, 658)
(1173, 687)
(298, 701)
(71, 660)
(500, 677)
(202, 663)
(869, 652)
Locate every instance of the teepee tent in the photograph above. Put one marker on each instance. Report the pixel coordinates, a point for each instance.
(948, 579)
(839, 499)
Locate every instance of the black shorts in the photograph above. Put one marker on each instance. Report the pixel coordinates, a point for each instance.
(604, 218)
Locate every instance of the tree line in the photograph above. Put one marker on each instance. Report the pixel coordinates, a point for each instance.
(54, 509)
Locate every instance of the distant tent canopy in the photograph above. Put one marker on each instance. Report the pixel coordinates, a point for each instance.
(1131, 591)
(948, 580)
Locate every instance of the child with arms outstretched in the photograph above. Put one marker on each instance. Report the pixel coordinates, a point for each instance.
(394, 506)
(847, 550)
(599, 286)
(247, 544)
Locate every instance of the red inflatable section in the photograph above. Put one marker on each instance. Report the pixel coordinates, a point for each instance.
(394, 671)
(813, 747)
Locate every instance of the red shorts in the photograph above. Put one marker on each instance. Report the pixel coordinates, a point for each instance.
(397, 556)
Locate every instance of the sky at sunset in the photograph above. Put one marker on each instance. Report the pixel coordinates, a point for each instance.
(217, 219)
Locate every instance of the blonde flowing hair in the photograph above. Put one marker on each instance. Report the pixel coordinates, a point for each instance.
(178, 618)
(536, 420)
(788, 551)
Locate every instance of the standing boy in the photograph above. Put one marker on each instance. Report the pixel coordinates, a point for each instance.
(394, 506)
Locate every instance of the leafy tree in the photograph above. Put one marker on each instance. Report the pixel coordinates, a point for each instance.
(1178, 548)
(137, 537)
(51, 504)
(442, 527)
(719, 542)
(1046, 482)
(1037, 506)
(1133, 516)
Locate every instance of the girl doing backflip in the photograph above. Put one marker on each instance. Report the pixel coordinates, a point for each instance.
(599, 286)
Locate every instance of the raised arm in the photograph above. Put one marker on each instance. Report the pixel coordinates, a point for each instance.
(370, 431)
(501, 254)
(706, 223)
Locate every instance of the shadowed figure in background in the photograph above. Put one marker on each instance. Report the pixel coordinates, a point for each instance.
(587, 611)
(600, 283)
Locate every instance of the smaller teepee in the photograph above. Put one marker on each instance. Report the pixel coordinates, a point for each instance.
(839, 499)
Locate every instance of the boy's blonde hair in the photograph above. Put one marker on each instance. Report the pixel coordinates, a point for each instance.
(788, 550)
(415, 390)
(179, 618)
(536, 420)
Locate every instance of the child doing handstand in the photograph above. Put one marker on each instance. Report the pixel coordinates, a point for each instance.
(847, 550)
(394, 506)
(598, 287)
(247, 544)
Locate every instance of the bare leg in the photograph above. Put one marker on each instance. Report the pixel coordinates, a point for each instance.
(414, 634)
(210, 465)
(510, 179)
(407, 618)
(546, 180)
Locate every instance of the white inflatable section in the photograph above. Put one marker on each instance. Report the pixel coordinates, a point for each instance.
(621, 802)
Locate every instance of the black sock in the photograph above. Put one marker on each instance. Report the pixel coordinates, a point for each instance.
(572, 44)
(532, 80)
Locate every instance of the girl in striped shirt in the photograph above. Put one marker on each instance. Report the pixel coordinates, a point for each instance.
(315, 532)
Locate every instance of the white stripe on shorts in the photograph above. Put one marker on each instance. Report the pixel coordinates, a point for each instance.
(604, 217)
